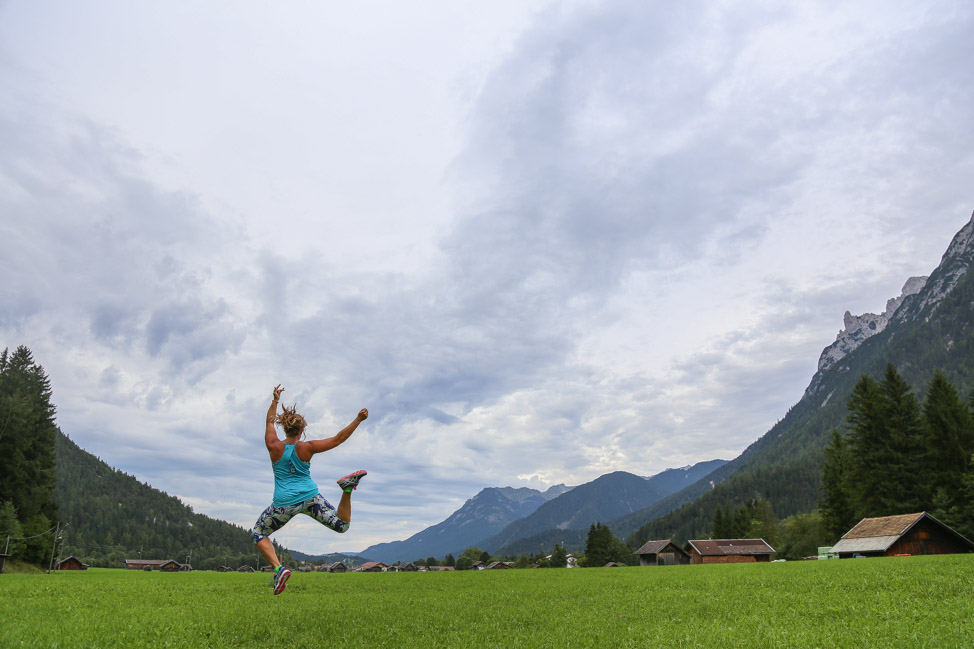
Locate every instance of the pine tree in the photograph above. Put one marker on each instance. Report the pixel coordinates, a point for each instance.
(721, 524)
(868, 445)
(598, 545)
(559, 558)
(904, 491)
(27, 437)
(837, 503)
(948, 443)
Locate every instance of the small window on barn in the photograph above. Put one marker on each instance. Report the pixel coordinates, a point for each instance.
(923, 535)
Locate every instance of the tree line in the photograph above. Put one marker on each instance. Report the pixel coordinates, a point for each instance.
(901, 456)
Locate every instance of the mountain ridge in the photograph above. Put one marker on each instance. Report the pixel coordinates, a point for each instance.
(930, 329)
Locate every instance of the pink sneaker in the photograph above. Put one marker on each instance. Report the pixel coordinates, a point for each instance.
(351, 480)
(280, 580)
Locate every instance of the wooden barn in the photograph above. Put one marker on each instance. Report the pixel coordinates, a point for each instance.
(373, 566)
(662, 553)
(165, 565)
(907, 534)
(729, 551)
(72, 563)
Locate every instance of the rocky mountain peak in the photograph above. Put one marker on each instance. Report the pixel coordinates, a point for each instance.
(918, 296)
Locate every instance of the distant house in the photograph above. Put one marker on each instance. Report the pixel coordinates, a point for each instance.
(499, 565)
(662, 553)
(165, 565)
(373, 566)
(612, 564)
(906, 534)
(71, 563)
(409, 567)
(246, 569)
(224, 569)
(477, 565)
(440, 568)
(729, 551)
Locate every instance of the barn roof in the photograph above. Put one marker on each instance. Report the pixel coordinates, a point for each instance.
(878, 534)
(726, 547)
(654, 547)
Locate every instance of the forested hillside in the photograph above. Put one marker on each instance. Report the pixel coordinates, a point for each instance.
(932, 332)
(110, 516)
(49, 486)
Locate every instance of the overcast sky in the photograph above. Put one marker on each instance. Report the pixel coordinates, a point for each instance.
(540, 241)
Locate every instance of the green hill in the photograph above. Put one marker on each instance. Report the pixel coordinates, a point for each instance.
(110, 516)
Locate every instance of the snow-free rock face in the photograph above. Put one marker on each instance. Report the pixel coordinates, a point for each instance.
(859, 327)
(920, 295)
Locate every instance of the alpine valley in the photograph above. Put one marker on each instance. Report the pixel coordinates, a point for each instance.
(929, 327)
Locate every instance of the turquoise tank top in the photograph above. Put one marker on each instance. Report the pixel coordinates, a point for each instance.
(292, 479)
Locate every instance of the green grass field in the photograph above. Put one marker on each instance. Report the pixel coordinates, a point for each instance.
(902, 602)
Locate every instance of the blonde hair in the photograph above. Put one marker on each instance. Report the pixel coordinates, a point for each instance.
(291, 421)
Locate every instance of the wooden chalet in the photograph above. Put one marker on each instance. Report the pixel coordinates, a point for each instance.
(246, 569)
(72, 563)
(729, 551)
(499, 565)
(409, 567)
(338, 566)
(662, 553)
(439, 568)
(164, 565)
(373, 566)
(477, 565)
(907, 534)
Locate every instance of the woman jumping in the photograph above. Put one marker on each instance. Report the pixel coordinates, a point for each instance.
(294, 490)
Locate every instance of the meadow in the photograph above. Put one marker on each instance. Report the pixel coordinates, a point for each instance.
(897, 602)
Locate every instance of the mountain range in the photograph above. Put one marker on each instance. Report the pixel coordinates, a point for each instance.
(497, 517)
(929, 326)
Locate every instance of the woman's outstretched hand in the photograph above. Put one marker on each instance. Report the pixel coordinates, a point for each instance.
(277, 392)
(363, 414)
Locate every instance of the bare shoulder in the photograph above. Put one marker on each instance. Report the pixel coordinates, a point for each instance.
(304, 451)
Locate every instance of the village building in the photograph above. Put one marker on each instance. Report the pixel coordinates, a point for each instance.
(163, 565)
(246, 569)
(903, 535)
(409, 567)
(499, 565)
(439, 568)
(477, 565)
(72, 563)
(373, 566)
(662, 553)
(729, 551)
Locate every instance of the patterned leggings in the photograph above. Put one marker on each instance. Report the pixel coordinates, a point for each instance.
(273, 518)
